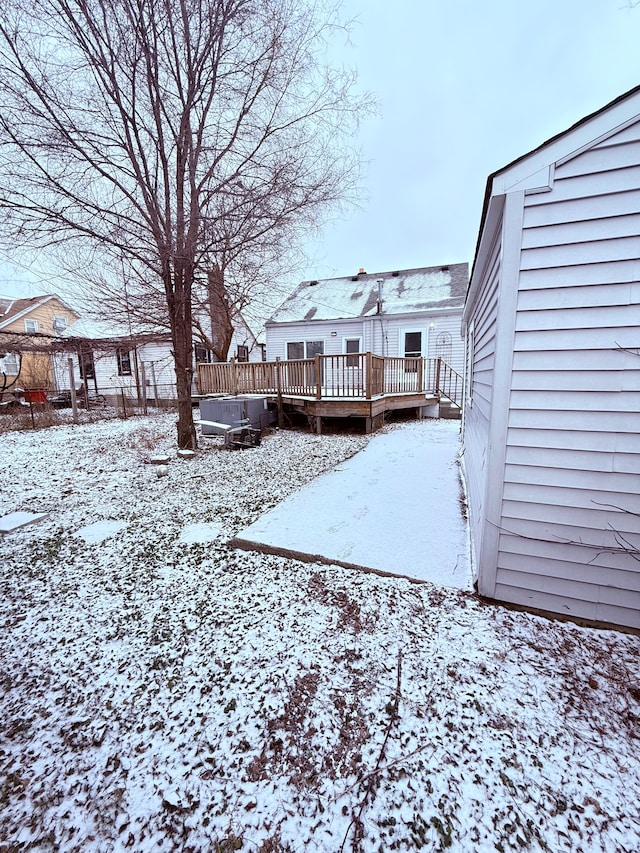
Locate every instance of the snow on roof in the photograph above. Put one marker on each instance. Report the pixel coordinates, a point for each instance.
(93, 329)
(400, 292)
(105, 330)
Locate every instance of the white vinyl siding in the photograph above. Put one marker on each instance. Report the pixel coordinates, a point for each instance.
(381, 336)
(477, 415)
(573, 448)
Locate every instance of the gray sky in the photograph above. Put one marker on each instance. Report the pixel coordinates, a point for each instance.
(465, 86)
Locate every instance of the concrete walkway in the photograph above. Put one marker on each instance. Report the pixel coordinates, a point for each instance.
(394, 508)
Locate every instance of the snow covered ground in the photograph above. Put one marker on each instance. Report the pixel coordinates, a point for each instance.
(163, 692)
(394, 507)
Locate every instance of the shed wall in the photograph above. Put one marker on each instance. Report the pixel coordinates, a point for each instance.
(573, 451)
(477, 413)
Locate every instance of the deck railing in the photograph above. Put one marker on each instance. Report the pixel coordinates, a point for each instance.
(354, 376)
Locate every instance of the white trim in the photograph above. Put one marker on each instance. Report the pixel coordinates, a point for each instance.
(8, 363)
(351, 338)
(35, 328)
(304, 342)
(424, 340)
(490, 235)
(499, 415)
(569, 144)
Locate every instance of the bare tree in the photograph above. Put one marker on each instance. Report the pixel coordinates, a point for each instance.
(165, 136)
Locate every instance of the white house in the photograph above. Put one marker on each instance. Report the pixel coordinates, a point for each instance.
(550, 425)
(112, 361)
(414, 312)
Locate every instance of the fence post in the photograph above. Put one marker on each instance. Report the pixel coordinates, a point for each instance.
(72, 387)
(124, 404)
(318, 378)
(155, 386)
(143, 377)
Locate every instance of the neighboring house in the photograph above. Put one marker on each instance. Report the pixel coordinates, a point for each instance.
(244, 346)
(113, 361)
(24, 323)
(404, 313)
(550, 425)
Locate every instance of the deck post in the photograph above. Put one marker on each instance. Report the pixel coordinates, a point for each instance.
(236, 373)
(437, 383)
(368, 373)
(279, 393)
(318, 380)
(419, 377)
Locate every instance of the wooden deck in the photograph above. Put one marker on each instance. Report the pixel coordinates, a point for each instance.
(359, 385)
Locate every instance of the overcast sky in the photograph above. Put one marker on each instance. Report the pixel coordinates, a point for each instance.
(464, 86)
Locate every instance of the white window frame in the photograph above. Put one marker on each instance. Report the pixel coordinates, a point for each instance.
(304, 345)
(30, 326)
(59, 324)
(424, 340)
(10, 364)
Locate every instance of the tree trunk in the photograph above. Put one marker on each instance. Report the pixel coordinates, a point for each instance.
(220, 313)
(179, 304)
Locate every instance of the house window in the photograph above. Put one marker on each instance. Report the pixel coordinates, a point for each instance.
(123, 357)
(305, 349)
(411, 347)
(86, 364)
(295, 349)
(31, 326)
(59, 324)
(242, 353)
(202, 354)
(9, 364)
(412, 344)
(352, 345)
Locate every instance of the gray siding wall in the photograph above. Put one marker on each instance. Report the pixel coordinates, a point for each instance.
(380, 335)
(477, 413)
(573, 447)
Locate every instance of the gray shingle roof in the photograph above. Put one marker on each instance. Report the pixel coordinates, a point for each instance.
(401, 292)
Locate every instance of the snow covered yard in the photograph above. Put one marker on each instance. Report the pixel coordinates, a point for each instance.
(160, 693)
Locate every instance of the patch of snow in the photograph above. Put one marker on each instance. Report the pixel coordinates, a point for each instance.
(200, 532)
(99, 531)
(15, 520)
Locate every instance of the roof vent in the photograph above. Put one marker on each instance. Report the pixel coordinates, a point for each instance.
(395, 273)
(444, 269)
(354, 278)
(314, 282)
